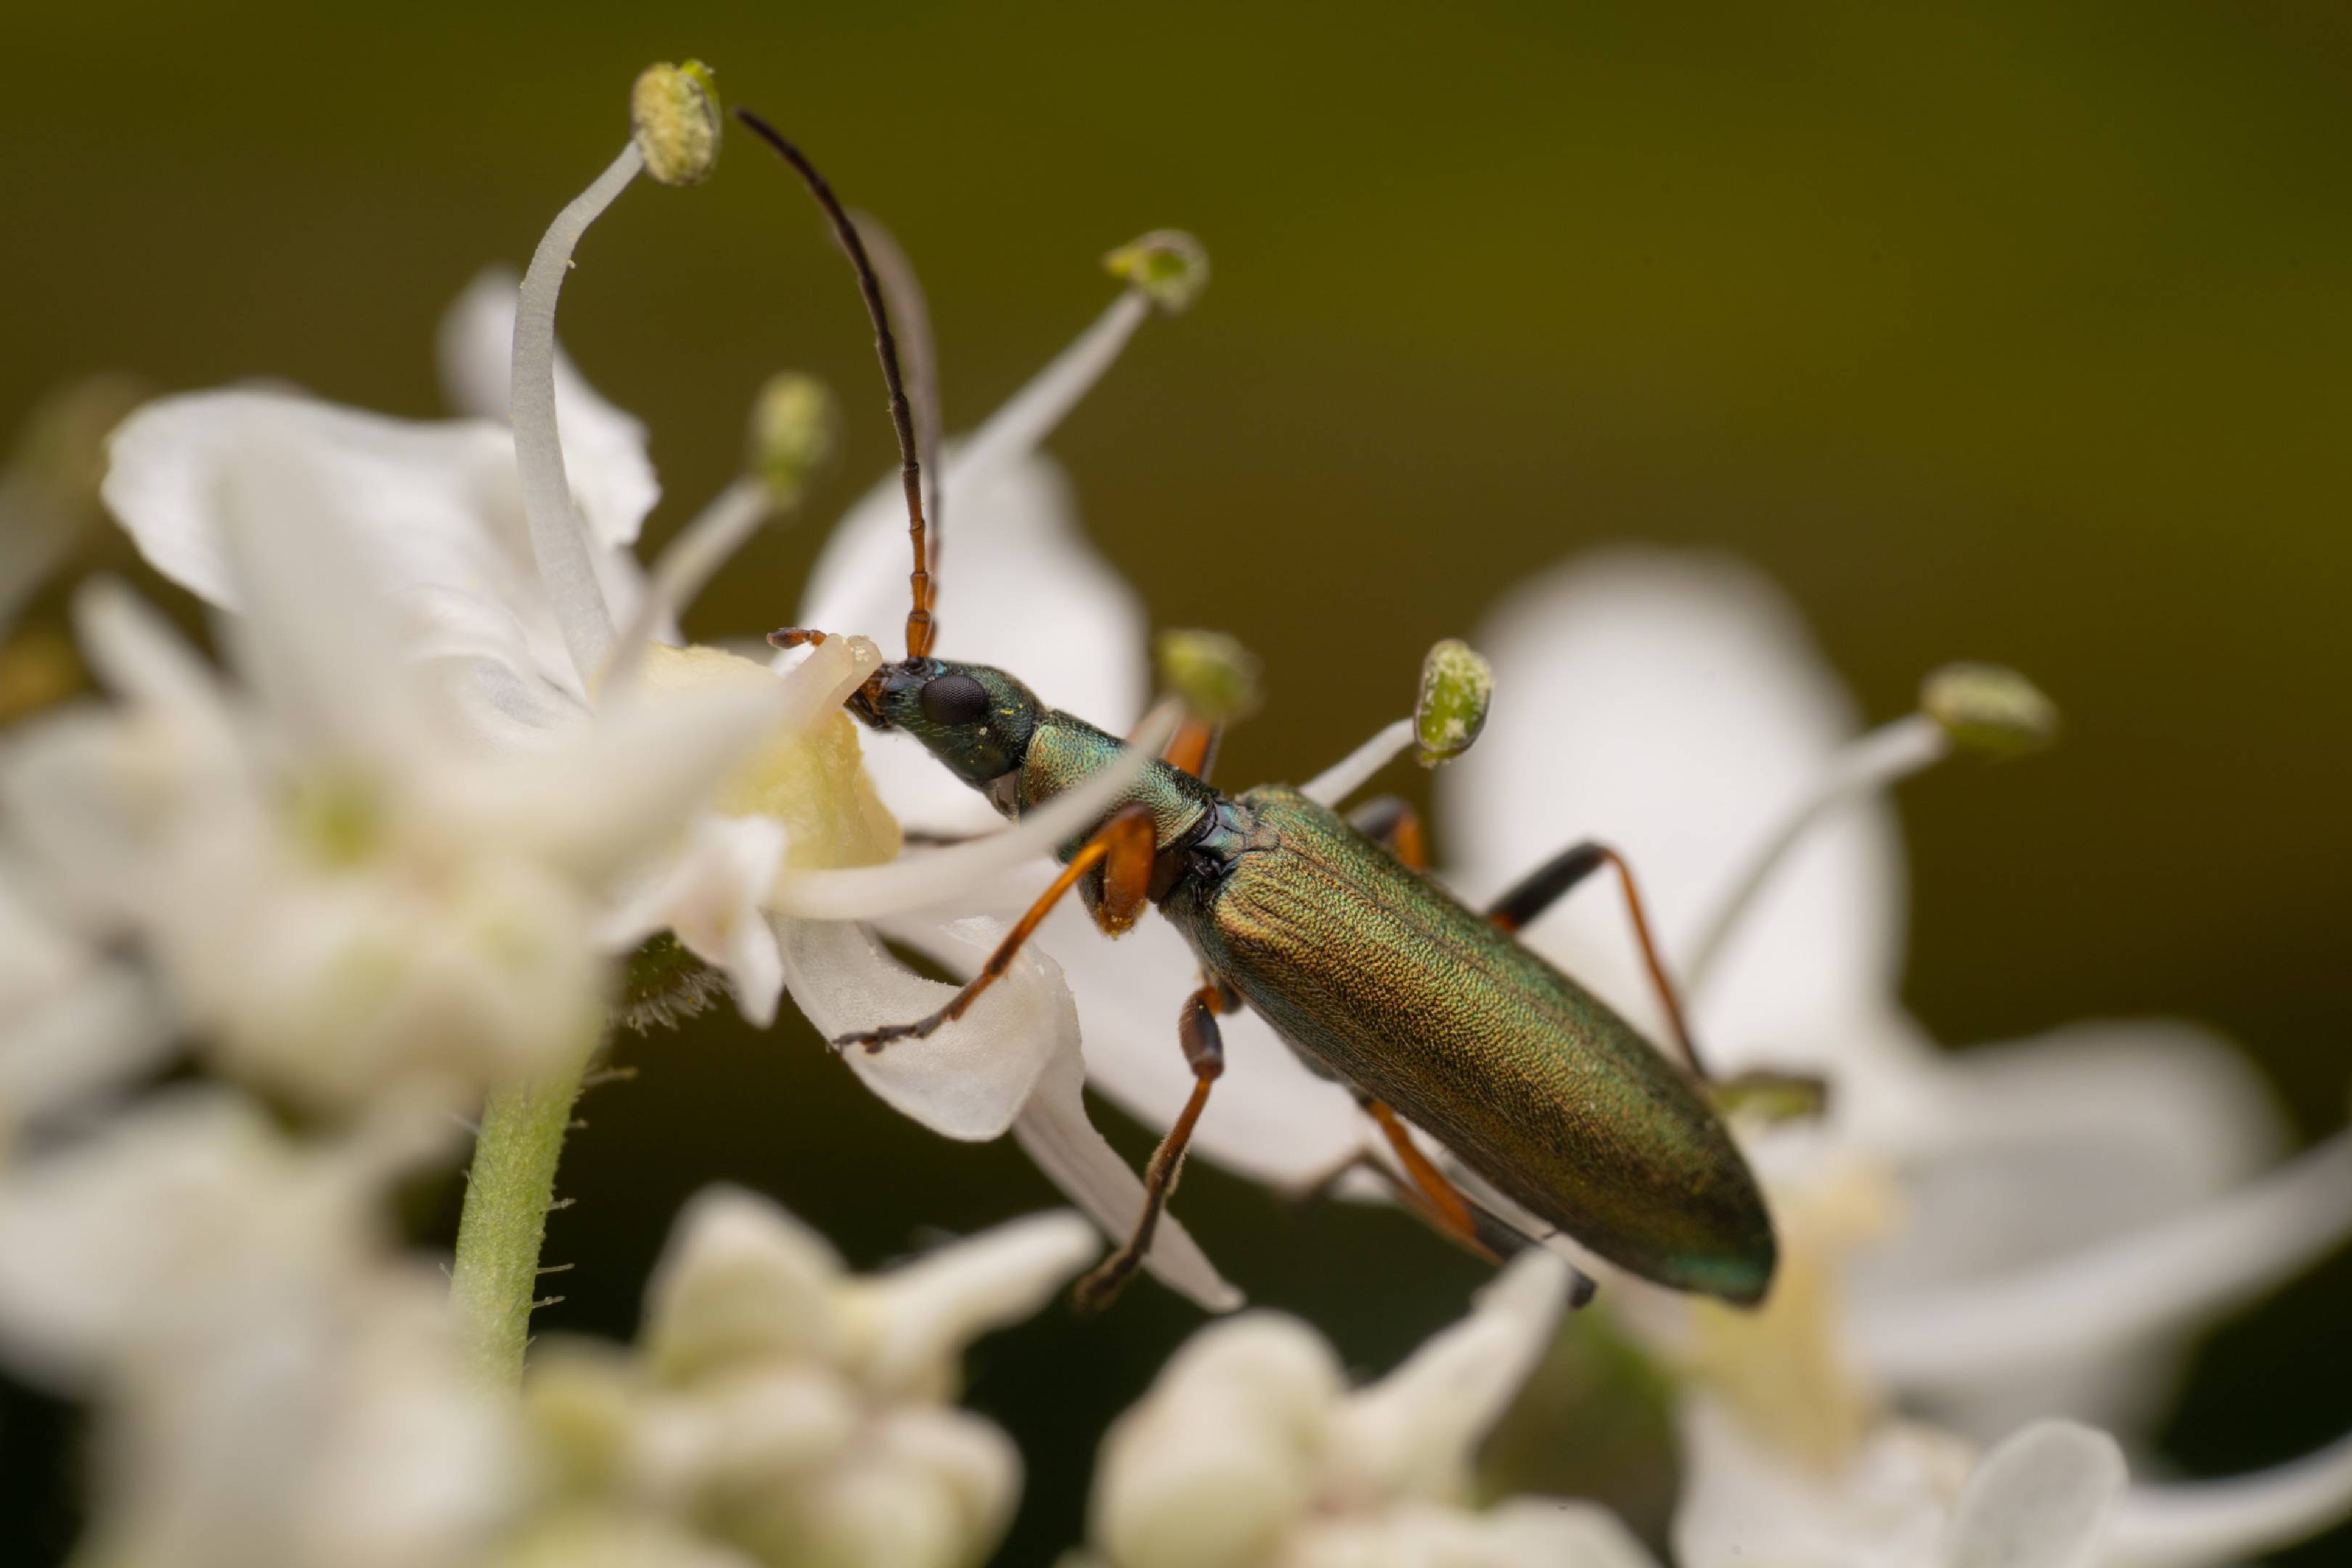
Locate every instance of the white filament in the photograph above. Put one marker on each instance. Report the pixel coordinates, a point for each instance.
(919, 881)
(685, 568)
(1032, 411)
(558, 538)
(1876, 762)
(1349, 773)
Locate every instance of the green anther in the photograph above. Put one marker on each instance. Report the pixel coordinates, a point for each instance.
(1212, 673)
(1457, 687)
(1989, 710)
(676, 117)
(794, 423)
(1169, 267)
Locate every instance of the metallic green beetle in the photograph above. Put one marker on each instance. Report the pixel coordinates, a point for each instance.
(1376, 975)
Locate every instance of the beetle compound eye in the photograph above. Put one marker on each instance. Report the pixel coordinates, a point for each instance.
(954, 699)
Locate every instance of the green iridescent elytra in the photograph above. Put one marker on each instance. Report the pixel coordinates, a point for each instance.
(1380, 978)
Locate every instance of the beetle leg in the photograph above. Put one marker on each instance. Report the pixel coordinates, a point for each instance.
(1205, 1052)
(1123, 848)
(1194, 747)
(1391, 822)
(1544, 886)
(1491, 1238)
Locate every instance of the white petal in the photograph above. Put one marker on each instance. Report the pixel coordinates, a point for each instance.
(2034, 1153)
(740, 1281)
(709, 894)
(143, 658)
(72, 1025)
(436, 506)
(2166, 1275)
(180, 1216)
(2041, 1500)
(1522, 1532)
(1053, 1127)
(1020, 588)
(604, 448)
(970, 1080)
(1413, 1433)
(1674, 706)
(646, 767)
(914, 1320)
(1218, 1463)
(1745, 1505)
(2203, 1524)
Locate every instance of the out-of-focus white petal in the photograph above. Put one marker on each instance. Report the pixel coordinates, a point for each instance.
(2200, 1524)
(909, 1325)
(1021, 588)
(604, 448)
(2041, 1500)
(142, 657)
(1219, 1461)
(932, 1488)
(1412, 1434)
(970, 1080)
(1674, 706)
(1522, 1532)
(2162, 1276)
(599, 801)
(1745, 1506)
(435, 509)
(709, 895)
(741, 1280)
(179, 1218)
(72, 1025)
(1269, 1118)
(1053, 1127)
(2024, 1155)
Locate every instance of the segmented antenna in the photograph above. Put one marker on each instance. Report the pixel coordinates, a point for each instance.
(921, 628)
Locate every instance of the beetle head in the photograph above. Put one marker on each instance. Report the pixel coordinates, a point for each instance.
(975, 719)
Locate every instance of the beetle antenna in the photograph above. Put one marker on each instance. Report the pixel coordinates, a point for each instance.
(921, 628)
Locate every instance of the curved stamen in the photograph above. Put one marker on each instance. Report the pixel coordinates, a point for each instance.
(1016, 429)
(1878, 761)
(919, 881)
(684, 568)
(1351, 772)
(558, 533)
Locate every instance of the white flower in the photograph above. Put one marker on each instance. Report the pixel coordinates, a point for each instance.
(1250, 1451)
(342, 890)
(437, 511)
(786, 1409)
(271, 1387)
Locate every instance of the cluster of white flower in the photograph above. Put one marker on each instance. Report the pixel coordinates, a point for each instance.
(457, 790)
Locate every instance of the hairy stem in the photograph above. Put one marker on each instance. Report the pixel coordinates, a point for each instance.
(495, 1282)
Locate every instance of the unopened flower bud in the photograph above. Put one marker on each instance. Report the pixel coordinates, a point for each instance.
(1214, 675)
(795, 422)
(1989, 709)
(1169, 267)
(1457, 687)
(676, 115)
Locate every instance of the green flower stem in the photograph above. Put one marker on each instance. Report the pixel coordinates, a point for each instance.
(509, 1191)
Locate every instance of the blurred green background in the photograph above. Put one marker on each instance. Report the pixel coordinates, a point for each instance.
(2008, 330)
